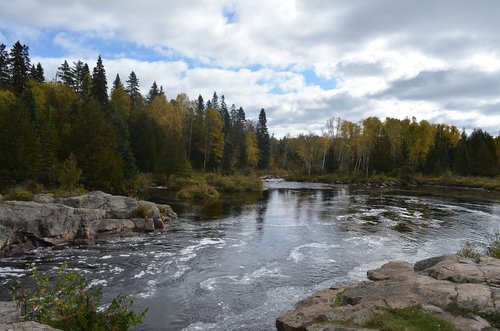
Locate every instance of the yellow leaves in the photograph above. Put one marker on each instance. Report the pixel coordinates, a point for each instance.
(252, 149)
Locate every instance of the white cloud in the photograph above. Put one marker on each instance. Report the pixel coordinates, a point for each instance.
(386, 56)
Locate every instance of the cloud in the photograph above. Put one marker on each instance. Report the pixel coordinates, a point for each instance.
(303, 61)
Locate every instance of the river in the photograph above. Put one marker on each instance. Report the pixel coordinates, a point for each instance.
(240, 262)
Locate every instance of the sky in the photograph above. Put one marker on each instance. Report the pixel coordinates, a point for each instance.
(304, 61)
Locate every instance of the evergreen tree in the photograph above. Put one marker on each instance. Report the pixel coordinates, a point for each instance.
(99, 83)
(19, 67)
(153, 92)
(37, 73)
(133, 89)
(215, 101)
(4, 67)
(117, 83)
(263, 141)
(65, 74)
(80, 72)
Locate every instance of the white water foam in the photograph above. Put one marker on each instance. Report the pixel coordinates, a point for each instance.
(210, 284)
(297, 254)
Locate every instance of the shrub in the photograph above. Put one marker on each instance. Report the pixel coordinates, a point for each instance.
(201, 192)
(142, 211)
(490, 248)
(23, 194)
(68, 303)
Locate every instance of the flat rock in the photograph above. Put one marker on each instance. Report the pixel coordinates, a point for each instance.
(435, 284)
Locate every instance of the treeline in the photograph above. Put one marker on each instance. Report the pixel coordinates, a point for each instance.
(45, 127)
(396, 147)
(72, 125)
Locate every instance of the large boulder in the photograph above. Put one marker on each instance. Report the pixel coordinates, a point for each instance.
(79, 219)
(442, 286)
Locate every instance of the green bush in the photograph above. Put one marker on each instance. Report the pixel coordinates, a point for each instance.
(201, 192)
(68, 303)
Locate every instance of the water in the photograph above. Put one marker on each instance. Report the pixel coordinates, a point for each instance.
(239, 263)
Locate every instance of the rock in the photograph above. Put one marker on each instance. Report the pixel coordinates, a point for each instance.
(461, 269)
(8, 312)
(26, 326)
(7, 237)
(112, 226)
(438, 285)
(43, 198)
(80, 219)
(159, 225)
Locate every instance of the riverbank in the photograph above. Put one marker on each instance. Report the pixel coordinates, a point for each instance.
(456, 292)
(47, 221)
(446, 180)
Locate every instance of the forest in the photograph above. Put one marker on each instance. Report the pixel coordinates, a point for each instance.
(51, 129)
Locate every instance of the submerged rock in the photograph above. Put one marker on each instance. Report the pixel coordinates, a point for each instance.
(461, 291)
(79, 219)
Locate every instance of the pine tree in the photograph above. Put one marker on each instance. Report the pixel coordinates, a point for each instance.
(117, 83)
(263, 140)
(133, 89)
(99, 83)
(19, 67)
(80, 72)
(215, 101)
(153, 92)
(37, 73)
(65, 74)
(4, 67)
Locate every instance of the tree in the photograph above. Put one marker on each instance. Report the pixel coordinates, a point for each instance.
(19, 67)
(153, 92)
(252, 150)
(4, 67)
(80, 73)
(69, 174)
(213, 139)
(65, 74)
(133, 89)
(263, 140)
(37, 74)
(99, 83)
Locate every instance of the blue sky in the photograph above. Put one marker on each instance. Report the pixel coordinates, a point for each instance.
(303, 61)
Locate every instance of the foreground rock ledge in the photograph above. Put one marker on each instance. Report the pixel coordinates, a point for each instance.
(436, 284)
(46, 221)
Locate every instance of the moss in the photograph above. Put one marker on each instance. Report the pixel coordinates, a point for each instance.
(408, 319)
(339, 297)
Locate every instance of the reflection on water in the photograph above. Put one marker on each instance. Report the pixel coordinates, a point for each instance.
(237, 263)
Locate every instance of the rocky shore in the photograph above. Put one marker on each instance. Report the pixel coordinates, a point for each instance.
(458, 290)
(46, 221)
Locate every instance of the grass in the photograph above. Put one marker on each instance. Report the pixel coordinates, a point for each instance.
(408, 319)
(142, 211)
(489, 248)
(200, 192)
(236, 183)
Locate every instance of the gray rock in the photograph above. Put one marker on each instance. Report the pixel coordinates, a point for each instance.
(26, 326)
(8, 312)
(43, 198)
(433, 283)
(77, 219)
(115, 226)
(7, 237)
